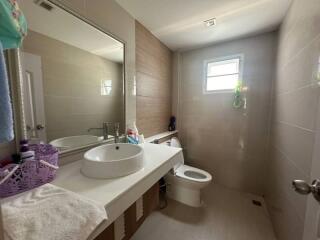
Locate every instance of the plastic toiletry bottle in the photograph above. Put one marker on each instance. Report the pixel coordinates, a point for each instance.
(24, 143)
(134, 128)
(26, 153)
(135, 131)
(141, 139)
(132, 133)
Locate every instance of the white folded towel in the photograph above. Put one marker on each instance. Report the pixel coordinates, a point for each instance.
(50, 213)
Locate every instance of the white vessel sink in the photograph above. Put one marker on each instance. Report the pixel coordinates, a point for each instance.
(112, 160)
(67, 143)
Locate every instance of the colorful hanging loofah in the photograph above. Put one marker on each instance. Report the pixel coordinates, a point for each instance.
(238, 101)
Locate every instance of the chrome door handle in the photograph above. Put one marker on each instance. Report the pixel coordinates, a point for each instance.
(40, 127)
(302, 187)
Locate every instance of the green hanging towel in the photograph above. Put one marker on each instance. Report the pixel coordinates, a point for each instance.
(13, 25)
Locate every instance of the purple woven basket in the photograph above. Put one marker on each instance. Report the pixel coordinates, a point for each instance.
(30, 174)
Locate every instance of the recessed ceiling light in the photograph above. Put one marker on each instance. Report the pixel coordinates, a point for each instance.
(210, 22)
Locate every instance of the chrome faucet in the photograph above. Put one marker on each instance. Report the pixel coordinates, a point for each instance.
(104, 129)
(116, 132)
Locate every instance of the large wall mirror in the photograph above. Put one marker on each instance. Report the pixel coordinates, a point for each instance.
(72, 78)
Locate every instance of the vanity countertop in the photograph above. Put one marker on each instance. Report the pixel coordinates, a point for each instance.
(119, 193)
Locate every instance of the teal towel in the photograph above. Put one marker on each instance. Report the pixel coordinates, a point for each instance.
(13, 24)
(6, 119)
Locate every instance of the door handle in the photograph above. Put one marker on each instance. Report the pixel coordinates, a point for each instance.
(302, 187)
(40, 127)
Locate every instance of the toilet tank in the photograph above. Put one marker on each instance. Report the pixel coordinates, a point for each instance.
(174, 142)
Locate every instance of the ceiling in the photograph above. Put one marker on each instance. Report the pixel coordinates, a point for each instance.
(62, 26)
(179, 23)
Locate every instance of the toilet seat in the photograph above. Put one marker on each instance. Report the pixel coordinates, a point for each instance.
(193, 174)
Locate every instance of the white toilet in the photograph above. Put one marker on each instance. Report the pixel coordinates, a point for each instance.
(185, 182)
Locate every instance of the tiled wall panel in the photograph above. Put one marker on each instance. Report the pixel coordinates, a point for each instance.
(154, 80)
(295, 104)
(229, 143)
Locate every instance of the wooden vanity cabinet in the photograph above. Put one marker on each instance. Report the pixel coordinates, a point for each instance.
(150, 203)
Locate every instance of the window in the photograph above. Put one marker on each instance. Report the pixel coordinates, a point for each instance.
(221, 75)
(106, 87)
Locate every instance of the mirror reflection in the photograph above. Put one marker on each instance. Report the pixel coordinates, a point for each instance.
(73, 80)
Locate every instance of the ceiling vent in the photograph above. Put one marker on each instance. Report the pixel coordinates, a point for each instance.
(210, 22)
(47, 6)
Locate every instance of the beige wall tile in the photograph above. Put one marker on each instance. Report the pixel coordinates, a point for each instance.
(149, 86)
(282, 171)
(154, 81)
(298, 73)
(304, 28)
(295, 107)
(229, 143)
(295, 143)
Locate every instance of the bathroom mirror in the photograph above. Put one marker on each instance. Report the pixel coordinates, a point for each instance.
(72, 76)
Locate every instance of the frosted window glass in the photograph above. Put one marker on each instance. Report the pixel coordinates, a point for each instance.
(222, 75)
(222, 82)
(223, 69)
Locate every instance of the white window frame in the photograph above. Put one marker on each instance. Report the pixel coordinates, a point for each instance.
(221, 59)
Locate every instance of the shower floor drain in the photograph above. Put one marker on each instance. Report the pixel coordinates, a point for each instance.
(257, 203)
